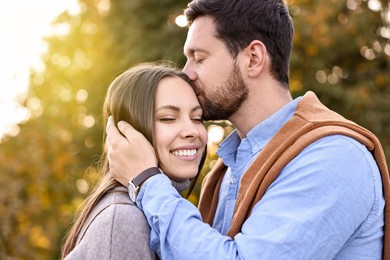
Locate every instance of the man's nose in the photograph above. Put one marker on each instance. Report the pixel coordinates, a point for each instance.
(189, 72)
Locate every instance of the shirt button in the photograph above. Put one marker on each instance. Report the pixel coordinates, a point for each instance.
(233, 179)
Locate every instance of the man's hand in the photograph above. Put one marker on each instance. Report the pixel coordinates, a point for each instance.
(128, 154)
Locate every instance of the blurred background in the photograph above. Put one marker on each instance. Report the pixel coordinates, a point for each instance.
(57, 58)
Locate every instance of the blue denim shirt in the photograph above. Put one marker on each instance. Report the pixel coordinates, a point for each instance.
(238, 154)
(327, 203)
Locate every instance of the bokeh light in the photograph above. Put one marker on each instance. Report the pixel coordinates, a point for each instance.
(181, 21)
(215, 134)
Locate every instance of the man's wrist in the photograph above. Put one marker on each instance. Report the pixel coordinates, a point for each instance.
(135, 183)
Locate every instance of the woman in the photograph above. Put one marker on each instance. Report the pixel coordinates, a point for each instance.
(158, 101)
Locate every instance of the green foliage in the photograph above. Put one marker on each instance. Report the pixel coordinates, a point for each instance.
(340, 53)
(48, 169)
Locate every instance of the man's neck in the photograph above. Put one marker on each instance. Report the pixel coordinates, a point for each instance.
(259, 106)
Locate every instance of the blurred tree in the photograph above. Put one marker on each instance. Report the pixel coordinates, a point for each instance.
(341, 51)
(50, 167)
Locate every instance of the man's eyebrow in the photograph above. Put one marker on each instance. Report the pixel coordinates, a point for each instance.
(191, 51)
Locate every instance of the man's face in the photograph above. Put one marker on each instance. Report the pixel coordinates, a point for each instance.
(218, 82)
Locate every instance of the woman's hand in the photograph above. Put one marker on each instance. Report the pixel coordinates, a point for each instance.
(128, 154)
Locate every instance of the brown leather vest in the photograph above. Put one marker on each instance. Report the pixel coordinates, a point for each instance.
(311, 121)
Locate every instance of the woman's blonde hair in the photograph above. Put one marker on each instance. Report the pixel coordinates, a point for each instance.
(131, 98)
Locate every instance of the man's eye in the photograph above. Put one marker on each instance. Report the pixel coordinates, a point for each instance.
(199, 59)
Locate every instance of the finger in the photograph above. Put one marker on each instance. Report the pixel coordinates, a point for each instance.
(114, 138)
(110, 127)
(127, 130)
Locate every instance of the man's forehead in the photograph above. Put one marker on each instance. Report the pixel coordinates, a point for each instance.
(199, 35)
(192, 44)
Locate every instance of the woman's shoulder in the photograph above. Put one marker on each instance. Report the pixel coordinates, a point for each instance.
(116, 207)
(116, 225)
(118, 195)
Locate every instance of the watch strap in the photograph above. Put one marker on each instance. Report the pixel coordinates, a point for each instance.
(144, 175)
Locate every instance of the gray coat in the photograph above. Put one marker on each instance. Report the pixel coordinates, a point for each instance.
(115, 229)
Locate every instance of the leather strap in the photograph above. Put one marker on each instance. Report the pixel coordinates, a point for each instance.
(144, 175)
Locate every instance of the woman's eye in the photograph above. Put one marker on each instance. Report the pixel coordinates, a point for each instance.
(167, 119)
(198, 120)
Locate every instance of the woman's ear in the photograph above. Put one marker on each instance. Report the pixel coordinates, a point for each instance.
(257, 54)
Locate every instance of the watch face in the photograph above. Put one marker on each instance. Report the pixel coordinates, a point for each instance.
(132, 191)
(132, 195)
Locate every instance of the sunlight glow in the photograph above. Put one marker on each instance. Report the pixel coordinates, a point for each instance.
(367, 53)
(352, 5)
(82, 186)
(81, 96)
(387, 49)
(375, 5)
(23, 23)
(387, 15)
(385, 32)
(181, 21)
(321, 76)
(215, 134)
(104, 6)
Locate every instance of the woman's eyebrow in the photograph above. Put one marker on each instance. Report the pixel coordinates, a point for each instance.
(198, 107)
(168, 107)
(175, 108)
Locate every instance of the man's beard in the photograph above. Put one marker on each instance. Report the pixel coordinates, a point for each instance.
(226, 99)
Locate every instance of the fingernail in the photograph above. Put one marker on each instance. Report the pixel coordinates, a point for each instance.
(120, 125)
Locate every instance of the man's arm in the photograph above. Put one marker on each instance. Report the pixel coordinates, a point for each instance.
(310, 211)
(314, 210)
(128, 155)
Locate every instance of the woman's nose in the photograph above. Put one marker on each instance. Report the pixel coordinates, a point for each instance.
(190, 130)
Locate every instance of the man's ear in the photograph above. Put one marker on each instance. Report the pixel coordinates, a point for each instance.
(257, 54)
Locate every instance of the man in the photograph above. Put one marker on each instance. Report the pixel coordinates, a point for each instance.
(297, 180)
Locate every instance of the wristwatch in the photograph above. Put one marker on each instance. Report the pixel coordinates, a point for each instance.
(134, 183)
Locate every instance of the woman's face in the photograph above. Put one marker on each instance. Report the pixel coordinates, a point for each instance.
(179, 135)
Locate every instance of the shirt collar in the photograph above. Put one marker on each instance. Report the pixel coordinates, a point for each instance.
(259, 135)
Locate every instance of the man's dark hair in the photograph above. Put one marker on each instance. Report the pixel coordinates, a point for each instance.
(238, 22)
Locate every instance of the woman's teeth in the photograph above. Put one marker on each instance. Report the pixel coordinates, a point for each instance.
(190, 152)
